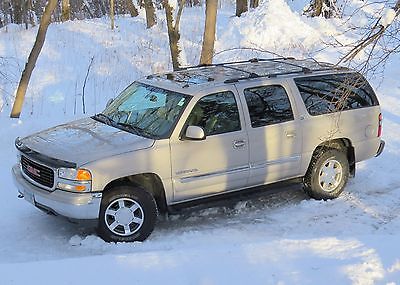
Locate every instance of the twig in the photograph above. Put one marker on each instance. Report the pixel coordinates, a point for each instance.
(84, 85)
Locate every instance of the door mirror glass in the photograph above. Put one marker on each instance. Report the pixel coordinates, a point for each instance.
(195, 133)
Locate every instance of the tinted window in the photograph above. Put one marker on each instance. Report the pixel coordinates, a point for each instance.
(216, 114)
(331, 93)
(268, 105)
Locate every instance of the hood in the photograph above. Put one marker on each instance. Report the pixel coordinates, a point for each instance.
(84, 141)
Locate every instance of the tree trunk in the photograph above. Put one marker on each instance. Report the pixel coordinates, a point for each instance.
(254, 3)
(112, 14)
(25, 12)
(325, 8)
(33, 56)
(318, 7)
(131, 8)
(173, 31)
(241, 7)
(151, 19)
(17, 10)
(30, 12)
(207, 50)
(65, 10)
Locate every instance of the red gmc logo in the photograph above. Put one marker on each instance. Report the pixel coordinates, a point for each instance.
(33, 170)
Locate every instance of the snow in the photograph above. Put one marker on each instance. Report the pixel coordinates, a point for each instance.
(282, 238)
(387, 17)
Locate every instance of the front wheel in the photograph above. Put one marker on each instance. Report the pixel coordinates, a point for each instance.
(127, 214)
(327, 174)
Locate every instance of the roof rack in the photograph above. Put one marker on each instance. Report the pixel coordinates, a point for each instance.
(251, 74)
(252, 60)
(304, 70)
(284, 67)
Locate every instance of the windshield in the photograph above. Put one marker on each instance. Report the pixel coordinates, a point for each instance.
(146, 110)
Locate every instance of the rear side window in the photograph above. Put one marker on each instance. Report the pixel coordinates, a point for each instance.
(268, 105)
(332, 93)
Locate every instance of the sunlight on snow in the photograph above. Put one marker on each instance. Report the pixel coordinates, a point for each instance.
(146, 260)
(365, 265)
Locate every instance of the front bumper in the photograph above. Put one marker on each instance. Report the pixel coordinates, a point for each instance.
(380, 149)
(83, 206)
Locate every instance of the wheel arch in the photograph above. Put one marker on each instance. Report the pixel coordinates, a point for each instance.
(150, 182)
(341, 144)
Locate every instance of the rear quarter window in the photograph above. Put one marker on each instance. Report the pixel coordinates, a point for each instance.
(335, 92)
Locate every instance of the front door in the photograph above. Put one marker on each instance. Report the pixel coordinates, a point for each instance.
(218, 163)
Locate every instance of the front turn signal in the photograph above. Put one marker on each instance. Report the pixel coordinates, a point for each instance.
(83, 175)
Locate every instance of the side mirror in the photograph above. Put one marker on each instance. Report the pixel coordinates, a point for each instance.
(109, 102)
(195, 133)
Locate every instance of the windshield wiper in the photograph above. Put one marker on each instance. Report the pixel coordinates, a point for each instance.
(136, 130)
(104, 118)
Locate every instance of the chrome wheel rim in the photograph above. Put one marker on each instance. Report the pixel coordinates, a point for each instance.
(330, 175)
(124, 216)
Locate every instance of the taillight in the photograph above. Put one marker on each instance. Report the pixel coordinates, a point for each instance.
(380, 125)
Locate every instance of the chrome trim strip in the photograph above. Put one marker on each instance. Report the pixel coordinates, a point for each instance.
(271, 162)
(213, 174)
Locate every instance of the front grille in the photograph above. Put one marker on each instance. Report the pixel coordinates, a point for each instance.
(37, 172)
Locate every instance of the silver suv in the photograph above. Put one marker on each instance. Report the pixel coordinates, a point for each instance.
(199, 132)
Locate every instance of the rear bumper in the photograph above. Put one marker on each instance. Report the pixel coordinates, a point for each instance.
(380, 149)
(83, 206)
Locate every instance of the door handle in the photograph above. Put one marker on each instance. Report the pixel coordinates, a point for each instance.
(290, 134)
(239, 143)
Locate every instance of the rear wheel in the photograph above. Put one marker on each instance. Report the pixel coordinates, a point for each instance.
(327, 174)
(127, 214)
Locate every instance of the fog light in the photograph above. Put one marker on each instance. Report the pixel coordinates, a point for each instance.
(80, 188)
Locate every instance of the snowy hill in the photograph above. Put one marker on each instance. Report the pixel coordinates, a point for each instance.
(282, 238)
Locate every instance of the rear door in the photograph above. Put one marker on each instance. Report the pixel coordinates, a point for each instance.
(275, 137)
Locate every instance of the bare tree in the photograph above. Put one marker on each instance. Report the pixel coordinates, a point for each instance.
(131, 8)
(378, 43)
(254, 3)
(151, 19)
(207, 50)
(173, 31)
(112, 16)
(65, 10)
(33, 56)
(241, 7)
(17, 7)
(325, 8)
(192, 3)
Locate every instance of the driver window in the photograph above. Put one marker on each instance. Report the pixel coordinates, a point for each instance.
(216, 114)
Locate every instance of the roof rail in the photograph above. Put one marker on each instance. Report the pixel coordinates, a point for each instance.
(273, 75)
(252, 60)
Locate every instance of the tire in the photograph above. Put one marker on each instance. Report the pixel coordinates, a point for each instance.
(127, 214)
(327, 174)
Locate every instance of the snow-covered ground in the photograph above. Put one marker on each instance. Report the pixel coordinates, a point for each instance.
(283, 238)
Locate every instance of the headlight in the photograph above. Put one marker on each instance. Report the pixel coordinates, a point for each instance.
(75, 174)
(75, 180)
